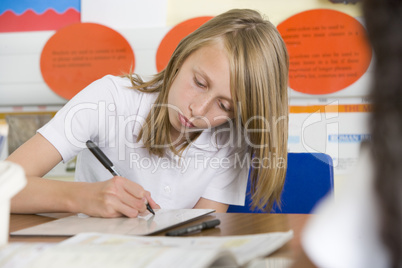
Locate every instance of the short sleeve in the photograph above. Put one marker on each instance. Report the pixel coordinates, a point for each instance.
(84, 117)
(229, 182)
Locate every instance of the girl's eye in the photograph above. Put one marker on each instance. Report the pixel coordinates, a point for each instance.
(223, 107)
(198, 83)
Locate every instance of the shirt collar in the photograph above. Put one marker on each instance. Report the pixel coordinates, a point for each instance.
(206, 141)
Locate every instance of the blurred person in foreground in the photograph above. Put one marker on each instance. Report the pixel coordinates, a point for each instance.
(363, 227)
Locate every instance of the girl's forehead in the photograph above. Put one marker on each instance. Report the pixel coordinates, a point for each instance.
(211, 64)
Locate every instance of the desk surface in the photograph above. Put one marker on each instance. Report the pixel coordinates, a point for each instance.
(231, 224)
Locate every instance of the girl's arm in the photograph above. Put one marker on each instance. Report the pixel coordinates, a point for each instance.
(204, 203)
(115, 197)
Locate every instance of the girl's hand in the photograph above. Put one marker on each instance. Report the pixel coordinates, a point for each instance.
(114, 198)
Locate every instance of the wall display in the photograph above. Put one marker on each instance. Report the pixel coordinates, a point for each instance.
(81, 53)
(173, 37)
(276, 11)
(25, 15)
(328, 51)
(329, 75)
(125, 14)
(336, 128)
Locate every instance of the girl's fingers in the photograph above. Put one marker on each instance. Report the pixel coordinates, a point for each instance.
(123, 197)
(138, 192)
(131, 187)
(131, 201)
(117, 207)
(151, 202)
(130, 193)
(126, 210)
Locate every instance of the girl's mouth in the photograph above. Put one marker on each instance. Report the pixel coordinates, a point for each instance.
(185, 122)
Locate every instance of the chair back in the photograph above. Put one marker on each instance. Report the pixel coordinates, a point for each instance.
(309, 178)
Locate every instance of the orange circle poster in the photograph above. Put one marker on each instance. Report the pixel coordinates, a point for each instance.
(328, 51)
(173, 38)
(81, 53)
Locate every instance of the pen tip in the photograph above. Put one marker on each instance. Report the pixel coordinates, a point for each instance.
(150, 209)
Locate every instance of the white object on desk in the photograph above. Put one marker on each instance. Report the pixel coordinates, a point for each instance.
(72, 225)
(12, 180)
(106, 250)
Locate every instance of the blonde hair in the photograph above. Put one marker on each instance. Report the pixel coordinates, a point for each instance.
(258, 79)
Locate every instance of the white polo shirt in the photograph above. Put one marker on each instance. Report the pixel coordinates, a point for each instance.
(111, 114)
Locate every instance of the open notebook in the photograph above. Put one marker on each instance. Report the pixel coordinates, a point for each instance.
(69, 226)
(107, 250)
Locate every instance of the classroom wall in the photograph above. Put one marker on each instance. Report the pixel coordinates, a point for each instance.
(332, 122)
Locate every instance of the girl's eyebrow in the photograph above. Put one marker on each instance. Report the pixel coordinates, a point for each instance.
(210, 82)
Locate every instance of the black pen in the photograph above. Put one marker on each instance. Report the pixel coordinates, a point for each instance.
(198, 227)
(108, 164)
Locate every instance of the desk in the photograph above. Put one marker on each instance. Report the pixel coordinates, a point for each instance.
(231, 224)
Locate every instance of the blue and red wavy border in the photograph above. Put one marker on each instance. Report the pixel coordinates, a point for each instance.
(39, 15)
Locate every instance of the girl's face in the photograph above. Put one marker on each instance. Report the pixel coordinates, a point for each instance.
(200, 97)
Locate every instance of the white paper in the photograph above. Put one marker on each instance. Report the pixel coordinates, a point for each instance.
(69, 226)
(126, 251)
(17, 255)
(120, 14)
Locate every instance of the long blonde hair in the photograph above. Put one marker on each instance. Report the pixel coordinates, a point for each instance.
(259, 75)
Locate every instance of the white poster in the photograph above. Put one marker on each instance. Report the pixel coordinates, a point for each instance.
(121, 14)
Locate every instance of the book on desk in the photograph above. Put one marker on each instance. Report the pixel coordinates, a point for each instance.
(103, 248)
(109, 250)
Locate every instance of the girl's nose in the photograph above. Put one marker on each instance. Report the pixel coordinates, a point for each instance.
(200, 105)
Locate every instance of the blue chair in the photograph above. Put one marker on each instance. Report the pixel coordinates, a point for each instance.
(309, 178)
